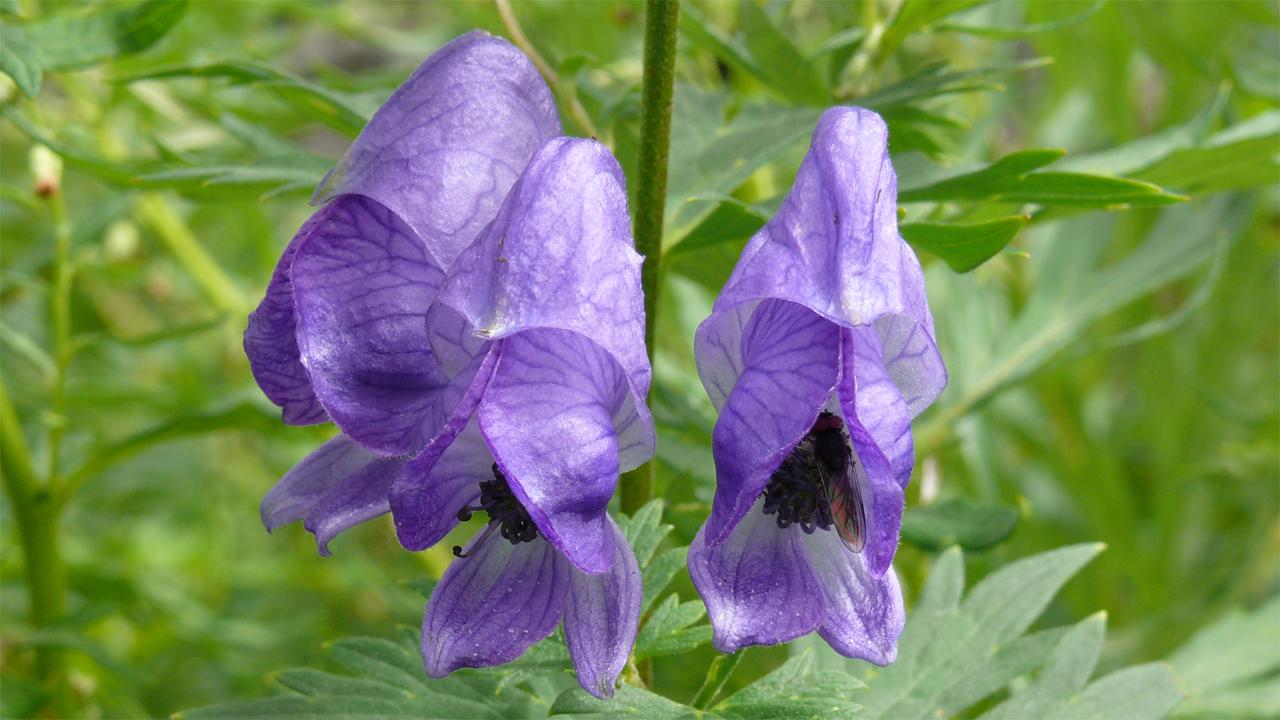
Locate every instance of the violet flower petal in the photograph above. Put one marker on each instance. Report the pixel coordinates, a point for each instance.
(444, 149)
(491, 607)
(881, 409)
(834, 248)
(415, 506)
(362, 284)
(882, 494)
(864, 614)
(550, 415)
(337, 486)
(271, 346)
(559, 254)
(433, 487)
(758, 585)
(441, 153)
(601, 615)
(790, 362)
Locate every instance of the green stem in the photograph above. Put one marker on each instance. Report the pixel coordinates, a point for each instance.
(60, 312)
(661, 17)
(217, 286)
(717, 675)
(37, 518)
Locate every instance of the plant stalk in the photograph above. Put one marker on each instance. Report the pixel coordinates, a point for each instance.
(37, 518)
(660, 30)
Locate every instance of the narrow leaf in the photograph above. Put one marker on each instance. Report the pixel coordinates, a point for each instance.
(964, 246)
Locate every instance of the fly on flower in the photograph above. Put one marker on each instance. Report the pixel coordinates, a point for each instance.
(818, 353)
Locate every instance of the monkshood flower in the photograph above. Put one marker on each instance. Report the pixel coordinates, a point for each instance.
(818, 353)
(545, 316)
(341, 332)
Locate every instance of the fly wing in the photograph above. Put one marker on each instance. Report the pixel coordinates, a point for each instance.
(848, 510)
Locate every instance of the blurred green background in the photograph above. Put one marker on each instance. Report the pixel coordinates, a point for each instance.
(1114, 371)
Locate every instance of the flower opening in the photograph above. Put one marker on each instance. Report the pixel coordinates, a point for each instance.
(505, 513)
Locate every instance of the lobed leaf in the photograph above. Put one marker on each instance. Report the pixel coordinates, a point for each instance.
(667, 630)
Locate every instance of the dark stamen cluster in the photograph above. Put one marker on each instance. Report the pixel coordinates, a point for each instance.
(798, 491)
(504, 510)
(795, 493)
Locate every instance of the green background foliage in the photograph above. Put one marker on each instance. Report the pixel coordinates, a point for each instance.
(1092, 187)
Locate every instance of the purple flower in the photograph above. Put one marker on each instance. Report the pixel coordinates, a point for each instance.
(469, 297)
(818, 354)
(342, 331)
(544, 313)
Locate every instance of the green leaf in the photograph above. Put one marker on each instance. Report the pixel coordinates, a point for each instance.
(793, 691)
(1244, 687)
(1065, 672)
(963, 246)
(314, 682)
(958, 521)
(628, 701)
(717, 157)
(731, 220)
(1241, 156)
(341, 111)
(1020, 30)
(951, 656)
(382, 659)
(645, 530)
(703, 33)
(915, 15)
(63, 42)
(294, 172)
(287, 706)
(660, 572)
(1145, 152)
(667, 630)
(1135, 693)
(1010, 179)
(786, 70)
(19, 59)
(1072, 293)
(933, 80)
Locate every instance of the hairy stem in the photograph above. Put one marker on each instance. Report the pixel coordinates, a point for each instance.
(655, 141)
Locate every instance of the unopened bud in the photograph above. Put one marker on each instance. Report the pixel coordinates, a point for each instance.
(46, 167)
(121, 241)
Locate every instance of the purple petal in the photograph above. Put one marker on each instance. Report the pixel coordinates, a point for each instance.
(864, 613)
(882, 491)
(601, 614)
(416, 504)
(336, 487)
(433, 487)
(493, 605)
(362, 284)
(790, 361)
(446, 147)
(758, 585)
(834, 248)
(881, 409)
(272, 349)
(559, 254)
(550, 416)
